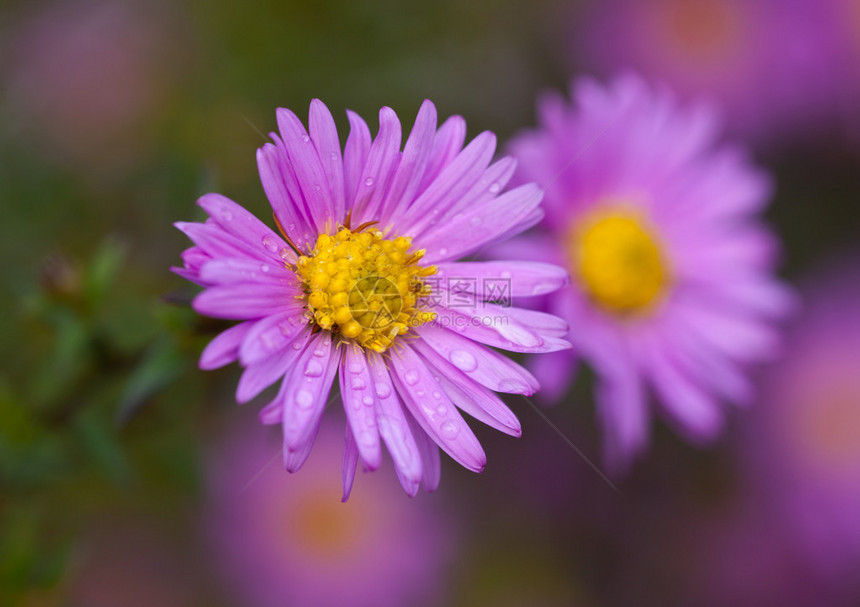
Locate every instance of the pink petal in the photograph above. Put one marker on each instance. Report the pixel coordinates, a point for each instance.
(434, 411)
(283, 192)
(355, 156)
(478, 362)
(323, 132)
(359, 402)
(382, 161)
(308, 168)
(478, 226)
(241, 302)
(410, 170)
(264, 372)
(224, 348)
(272, 334)
(305, 390)
(513, 278)
(350, 462)
(447, 144)
(394, 426)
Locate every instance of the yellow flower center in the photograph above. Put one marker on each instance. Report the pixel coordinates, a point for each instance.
(619, 262)
(365, 287)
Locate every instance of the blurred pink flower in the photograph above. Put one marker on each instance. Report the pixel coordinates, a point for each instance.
(806, 442)
(87, 76)
(773, 65)
(672, 285)
(290, 541)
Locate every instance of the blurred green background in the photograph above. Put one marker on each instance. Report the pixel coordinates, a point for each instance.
(115, 117)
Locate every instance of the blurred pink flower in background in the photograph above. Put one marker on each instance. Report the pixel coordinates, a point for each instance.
(672, 286)
(776, 67)
(804, 442)
(87, 77)
(290, 541)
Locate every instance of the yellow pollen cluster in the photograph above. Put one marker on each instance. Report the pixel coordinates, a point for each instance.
(618, 261)
(365, 287)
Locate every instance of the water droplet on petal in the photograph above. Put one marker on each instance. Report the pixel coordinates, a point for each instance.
(367, 439)
(284, 254)
(382, 390)
(449, 429)
(304, 399)
(313, 369)
(463, 360)
(420, 393)
(227, 216)
(356, 367)
(513, 386)
(442, 410)
(505, 274)
(443, 252)
(475, 220)
(437, 395)
(333, 155)
(270, 242)
(264, 268)
(305, 138)
(357, 383)
(367, 400)
(296, 345)
(495, 187)
(317, 187)
(319, 353)
(368, 182)
(411, 377)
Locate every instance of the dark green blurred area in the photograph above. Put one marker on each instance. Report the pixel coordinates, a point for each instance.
(102, 409)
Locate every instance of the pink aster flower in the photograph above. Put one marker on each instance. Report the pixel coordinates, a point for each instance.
(279, 541)
(363, 282)
(771, 64)
(804, 444)
(671, 270)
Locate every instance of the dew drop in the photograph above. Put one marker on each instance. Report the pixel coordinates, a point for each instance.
(296, 345)
(356, 368)
(333, 155)
(505, 274)
(357, 383)
(437, 395)
(313, 369)
(382, 390)
(284, 254)
(270, 242)
(542, 289)
(264, 268)
(449, 429)
(495, 187)
(443, 252)
(463, 360)
(317, 187)
(411, 377)
(304, 399)
(367, 439)
(420, 393)
(475, 220)
(367, 400)
(512, 386)
(319, 353)
(368, 182)
(305, 138)
(227, 216)
(442, 410)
